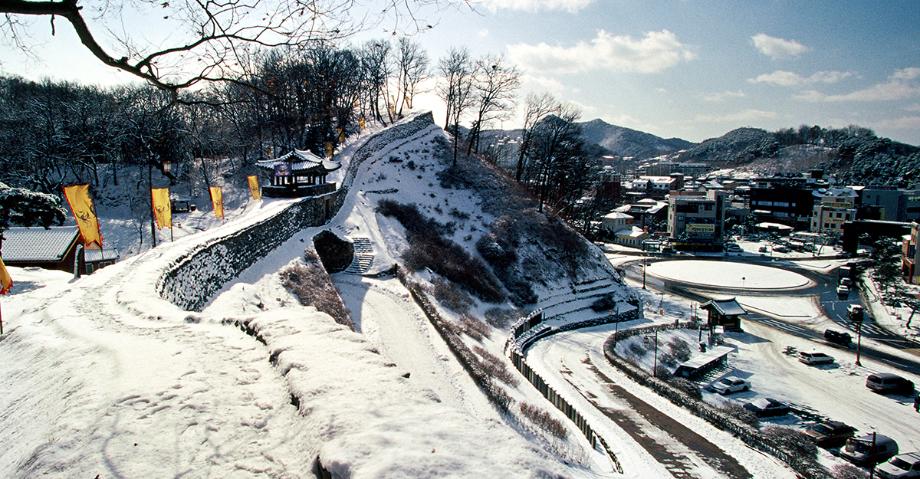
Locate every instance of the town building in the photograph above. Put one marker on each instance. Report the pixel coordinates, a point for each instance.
(783, 200)
(620, 227)
(666, 168)
(696, 218)
(868, 231)
(910, 255)
(57, 247)
(647, 213)
(832, 208)
(655, 187)
(889, 204)
(724, 312)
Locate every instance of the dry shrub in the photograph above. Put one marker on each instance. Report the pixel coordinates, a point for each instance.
(667, 359)
(543, 420)
(604, 303)
(495, 367)
(501, 318)
(662, 372)
(737, 411)
(848, 471)
(430, 248)
(688, 387)
(680, 349)
(310, 283)
(472, 327)
(793, 441)
(637, 348)
(450, 296)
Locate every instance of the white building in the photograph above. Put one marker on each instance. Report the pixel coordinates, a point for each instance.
(832, 208)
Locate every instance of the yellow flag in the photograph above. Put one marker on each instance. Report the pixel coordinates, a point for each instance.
(341, 136)
(362, 123)
(254, 188)
(217, 199)
(82, 207)
(329, 149)
(162, 207)
(6, 283)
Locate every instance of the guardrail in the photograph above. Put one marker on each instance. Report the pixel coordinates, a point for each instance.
(531, 328)
(748, 434)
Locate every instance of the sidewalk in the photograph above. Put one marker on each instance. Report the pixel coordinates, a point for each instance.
(889, 317)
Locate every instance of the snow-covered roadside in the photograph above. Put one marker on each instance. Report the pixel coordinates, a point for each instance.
(104, 377)
(568, 352)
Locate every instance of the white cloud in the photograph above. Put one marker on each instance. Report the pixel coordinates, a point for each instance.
(737, 117)
(540, 84)
(901, 85)
(723, 95)
(913, 108)
(902, 123)
(777, 48)
(570, 6)
(653, 53)
(787, 78)
(483, 33)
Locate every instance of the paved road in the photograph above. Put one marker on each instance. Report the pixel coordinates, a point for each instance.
(832, 306)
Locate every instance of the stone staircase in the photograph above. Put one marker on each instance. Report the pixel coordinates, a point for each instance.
(364, 256)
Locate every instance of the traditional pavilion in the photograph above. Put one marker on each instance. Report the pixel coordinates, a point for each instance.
(298, 173)
(724, 312)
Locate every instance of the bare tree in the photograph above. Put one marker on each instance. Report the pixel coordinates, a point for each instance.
(456, 89)
(411, 69)
(538, 106)
(217, 33)
(494, 86)
(376, 71)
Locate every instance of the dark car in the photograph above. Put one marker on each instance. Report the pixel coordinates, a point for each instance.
(838, 337)
(885, 383)
(766, 407)
(830, 433)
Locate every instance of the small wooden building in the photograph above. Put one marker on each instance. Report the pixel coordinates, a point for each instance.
(57, 247)
(724, 312)
(298, 173)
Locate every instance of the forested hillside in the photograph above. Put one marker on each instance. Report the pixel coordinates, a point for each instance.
(856, 155)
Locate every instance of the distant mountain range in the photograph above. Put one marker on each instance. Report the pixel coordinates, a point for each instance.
(856, 155)
(623, 141)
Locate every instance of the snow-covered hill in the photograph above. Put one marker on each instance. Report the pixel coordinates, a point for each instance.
(104, 376)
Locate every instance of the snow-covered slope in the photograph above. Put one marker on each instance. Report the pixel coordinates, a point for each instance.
(103, 376)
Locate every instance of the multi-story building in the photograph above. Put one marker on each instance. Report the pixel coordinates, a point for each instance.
(889, 204)
(696, 217)
(910, 255)
(783, 200)
(647, 213)
(832, 208)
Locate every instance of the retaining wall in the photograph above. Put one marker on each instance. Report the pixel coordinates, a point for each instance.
(191, 280)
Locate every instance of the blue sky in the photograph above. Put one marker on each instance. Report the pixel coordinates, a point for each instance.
(683, 68)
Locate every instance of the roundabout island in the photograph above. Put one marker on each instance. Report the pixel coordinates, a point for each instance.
(728, 275)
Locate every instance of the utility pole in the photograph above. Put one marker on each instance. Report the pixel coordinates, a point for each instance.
(872, 463)
(153, 226)
(856, 316)
(655, 367)
(644, 265)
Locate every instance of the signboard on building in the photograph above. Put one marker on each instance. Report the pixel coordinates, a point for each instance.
(700, 228)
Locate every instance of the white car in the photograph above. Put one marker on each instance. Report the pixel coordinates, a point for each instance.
(843, 292)
(900, 467)
(815, 358)
(730, 384)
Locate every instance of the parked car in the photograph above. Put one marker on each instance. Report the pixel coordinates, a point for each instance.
(730, 384)
(837, 337)
(181, 205)
(846, 282)
(812, 358)
(762, 249)
(765, 407)
(781, 249)
(903, 466)
(843, 292)
(830, 433)
(869, 449)
(733, 247)
(887, 383)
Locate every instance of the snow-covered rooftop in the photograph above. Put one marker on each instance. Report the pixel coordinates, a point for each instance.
(38, 244)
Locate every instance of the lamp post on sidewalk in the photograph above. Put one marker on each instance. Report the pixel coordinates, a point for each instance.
(856, 316)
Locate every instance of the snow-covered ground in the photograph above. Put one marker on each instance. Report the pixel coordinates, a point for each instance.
(727, 274)
(103, 377)
(570, 361)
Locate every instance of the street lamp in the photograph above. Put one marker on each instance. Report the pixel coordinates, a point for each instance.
(856, 316)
